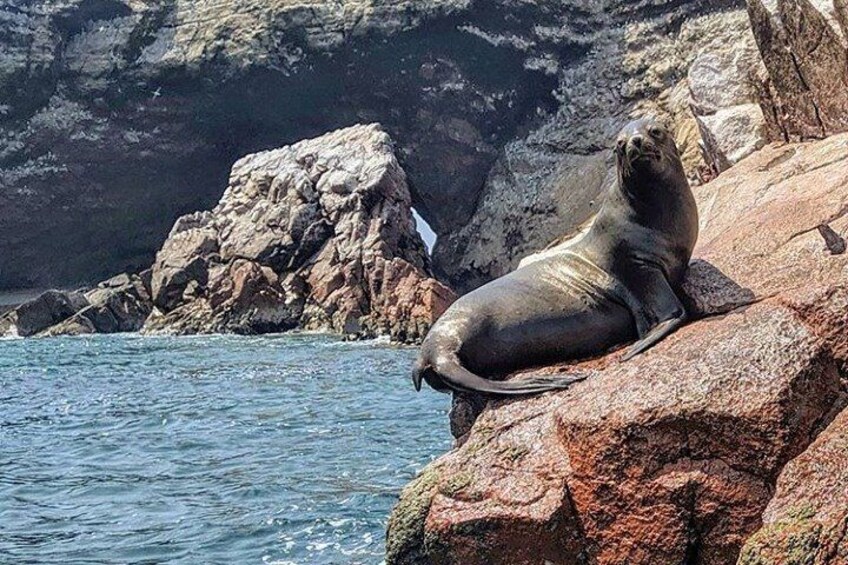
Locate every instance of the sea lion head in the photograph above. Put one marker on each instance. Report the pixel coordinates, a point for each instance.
(646, 149)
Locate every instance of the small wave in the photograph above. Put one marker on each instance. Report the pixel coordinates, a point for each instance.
(12, 333)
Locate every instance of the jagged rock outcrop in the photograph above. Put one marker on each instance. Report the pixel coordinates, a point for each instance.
(723, 95)
(316, 235)
(120, 304)
(118, 116)
(673, 456)
(42, 312)
(548, 182)
(804, 45)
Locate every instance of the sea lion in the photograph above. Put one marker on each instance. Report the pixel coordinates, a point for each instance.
(614, 284)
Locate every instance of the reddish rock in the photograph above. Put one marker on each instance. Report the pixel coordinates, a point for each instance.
(673, 456)
(803, 45)
(241, 297)
(806, 523)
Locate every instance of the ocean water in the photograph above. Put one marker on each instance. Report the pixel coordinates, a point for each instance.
(279, 449)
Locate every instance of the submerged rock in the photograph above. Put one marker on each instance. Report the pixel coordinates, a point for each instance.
(317, 235)
(671, 457)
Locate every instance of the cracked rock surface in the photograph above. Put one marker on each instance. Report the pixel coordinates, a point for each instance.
(674, 456)
(316, 235)
(804, 45)
(807, 519)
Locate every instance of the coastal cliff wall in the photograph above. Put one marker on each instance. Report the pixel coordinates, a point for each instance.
(118, 116)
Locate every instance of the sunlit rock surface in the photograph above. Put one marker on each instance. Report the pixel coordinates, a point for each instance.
(673, 456)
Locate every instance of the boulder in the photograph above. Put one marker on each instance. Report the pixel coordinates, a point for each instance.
(40, 313)
(318, 235)
(671, 457)
(804, 45)
(807, 519)
(731, 134)
(241, 297)
(120, 304)
(183, 260)
(723, 97)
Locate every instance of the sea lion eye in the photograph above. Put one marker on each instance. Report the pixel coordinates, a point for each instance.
(656, 132)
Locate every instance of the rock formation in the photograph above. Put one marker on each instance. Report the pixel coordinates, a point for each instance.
(807, 519)
(118, 116)
(723, 95)
(804, 45)
(120, 304)
(548, 182)
(673, 457)
(317, 235)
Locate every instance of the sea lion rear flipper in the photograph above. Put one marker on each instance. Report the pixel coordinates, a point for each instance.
(458, 378)
(658, 311)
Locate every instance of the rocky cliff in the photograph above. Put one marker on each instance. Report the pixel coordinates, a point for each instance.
(803, 43)
(118, 116)
(679, 455)
(317, 235)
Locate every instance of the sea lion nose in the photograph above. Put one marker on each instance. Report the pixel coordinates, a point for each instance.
(636, 141)
(634, 146)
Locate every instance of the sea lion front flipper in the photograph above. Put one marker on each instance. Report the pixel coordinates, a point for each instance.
(659, 331)
(658, 305)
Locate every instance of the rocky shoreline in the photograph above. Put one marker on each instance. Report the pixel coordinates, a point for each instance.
(727, 443)
(674, 456)
(318, 236)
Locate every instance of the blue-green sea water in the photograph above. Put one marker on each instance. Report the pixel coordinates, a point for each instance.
(283, 449)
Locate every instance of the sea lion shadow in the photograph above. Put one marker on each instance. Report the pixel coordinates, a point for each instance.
(707, 291)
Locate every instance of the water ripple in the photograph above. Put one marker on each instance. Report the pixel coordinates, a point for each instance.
(279, 450)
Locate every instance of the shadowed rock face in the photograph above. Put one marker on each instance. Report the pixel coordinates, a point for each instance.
(317, 235)
(673, 457)
(120, 304)
(807, 520)
(118, 116)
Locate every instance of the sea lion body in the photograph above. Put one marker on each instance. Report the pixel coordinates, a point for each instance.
(614, 284)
